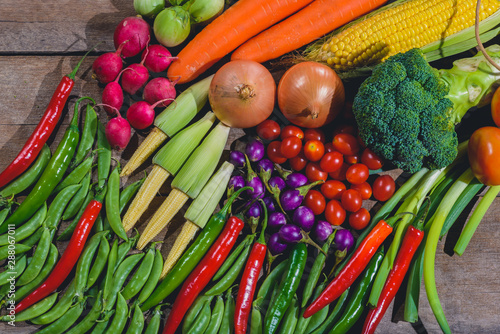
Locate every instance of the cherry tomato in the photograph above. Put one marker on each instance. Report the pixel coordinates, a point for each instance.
(371, 160)
(351, 200)
(357, 174)
(331, 161)
(495, 107)
(274, 152)
(290, 147)
(352, 159)
(364, 189)
(314, 150)
(484, 153)
(292, 131)
(383, 187)
(315, 201)
(333, 189)
(359, 220)
(298, 162)
(339, 174)
(346, 144)
(314, 134)
(268, 130)
(334, 213)
(345, 128)
(329, 148)
(314, 172)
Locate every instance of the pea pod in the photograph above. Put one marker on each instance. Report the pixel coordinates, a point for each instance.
(124, 248)
(128, 193)
(303, 323)
(291, 317)
(57, 207)
(193, 312)
(68, 232)
(77, 201)
(112, 264)
(4, 213)
(216, 317)
(14, 268)
(99, 263)
(30, 176)
(227, 325)
(90, 319)
(27, 229)
(33, 239)
(76, 175)
(120, 317)
(88, 136)
(287, 289)
(153, 278)
(137, 322)
(113, 204)
(334, 314)
(263, 298)
(255, 320)
(59, 309)
(154, 323)
(100, 327)
(39, 257)
(202, 320)
(66, 320)
(232, 258)
(83, 266)
(140, 276)
(317, 319)
(103, 156)
(13, 250)
(34, 310)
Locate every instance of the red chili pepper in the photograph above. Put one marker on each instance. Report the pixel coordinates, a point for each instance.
(411, 241)
(358, 262)
(42, 132)
(249, 280)
(69, 257)
(203, 273)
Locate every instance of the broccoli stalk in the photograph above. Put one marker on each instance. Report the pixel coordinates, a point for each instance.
(407, 111)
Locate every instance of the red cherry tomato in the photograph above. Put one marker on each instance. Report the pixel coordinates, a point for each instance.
(484, 153)
(314, 134)
(331, 161)
(351, 200)
(268, 130)
(345, 128)
(329, 148)
(371, 160)
(357, 174)
(314, 150)
(359, 220)
(364, 189)
(334, 213)
(383, 187)
(333, 189)
(352, 159)
(339, 174)
(292, 131)
(314, 172)
(274, 152)
(290, 147)
(298, 162)
(346, 144)
(315, 201)
(495, 107)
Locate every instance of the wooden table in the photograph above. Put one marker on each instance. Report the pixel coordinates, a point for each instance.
(40, 41)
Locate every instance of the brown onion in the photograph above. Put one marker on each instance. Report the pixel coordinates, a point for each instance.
(310, 94)
(242, 93)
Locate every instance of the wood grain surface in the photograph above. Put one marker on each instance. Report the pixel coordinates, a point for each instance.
(40, 41)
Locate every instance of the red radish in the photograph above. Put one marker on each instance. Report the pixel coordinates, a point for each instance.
(141, 114)
(107, 66)
(112, 96)
(136, 31)
(134, 80)
(159, 89)
(118, 131)
(158, 58)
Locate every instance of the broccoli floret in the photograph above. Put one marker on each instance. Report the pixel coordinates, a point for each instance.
(407, 111)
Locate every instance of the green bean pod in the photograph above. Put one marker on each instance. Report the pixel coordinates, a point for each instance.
(90, 319)
(155, 322)
(14, 249)
(334, 315)
(39, 257)
(77, 201)
(202, 321)
(57, 207)
(153, 278)
(303, 323)
(137, 322)
(112, 203)
(83, 266)
(100, 327)
(227, 325)
(232, 257)
(66, 320)
(140, 276)
(124, 248)
(99, 263)
(4, 213)
(255, 320)
(33, 239)
(47, 268)
(30, 176)
(317, 319)
(263, 298)
(27, 229)
(14, 268)
(194, 311)
(88, 136)
(291, 317)
(103, 155)
(76, 175)
(216, 317)
(34, 310)
(68, 231)
(128, 193)
(120, 317)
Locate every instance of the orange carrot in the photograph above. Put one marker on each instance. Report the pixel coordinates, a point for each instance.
(317, 19)
(241, 21)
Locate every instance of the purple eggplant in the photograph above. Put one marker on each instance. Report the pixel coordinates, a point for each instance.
(295, 180)
(254, 210)
(277, 183)
(291, 199)
(344, 240)
(275, 245)
(269, 201)
(265, 169)
(237, 158)
(304, 218)
(235, 183)
(255, 150)
(292, 234)
(322, 230)
(276, 220)
(253, 180)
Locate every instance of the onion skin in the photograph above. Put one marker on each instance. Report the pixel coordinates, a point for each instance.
(310, 94)
(242, 94)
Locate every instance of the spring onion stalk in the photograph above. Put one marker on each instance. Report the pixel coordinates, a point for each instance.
(199, 212)
(475, 219)
(167, 161)
(189, 182)
(432, 242)
(174, 118)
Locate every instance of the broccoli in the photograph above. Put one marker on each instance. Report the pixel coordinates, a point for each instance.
(407, 111)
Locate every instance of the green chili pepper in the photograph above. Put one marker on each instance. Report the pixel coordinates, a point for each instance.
(154, 323)
(216, 317)
(103, 155)
(14, 268)
(51, 176)
(68, 232)
(291, 317)
(113, 204)
(192, 256)
(34, 310)
(287, 289)
(27, 229)
(47, 268)
(65, 321)
(137, 322)
(153, 278)
(357, 302)
(77, 201)
(14, 249)
(57, 207)
(59, 309)
(128, 193)
(202, 320)
(90, 319)
(99, 263)
(83, 266)
(30, 176)
(194, 311)
(88, 136)
(256, 320)
(227, 325)
(265, 292)
(232, 257)
(39, 257)
(333, 316)
(141, 275)
(76, 176)
(120, 317)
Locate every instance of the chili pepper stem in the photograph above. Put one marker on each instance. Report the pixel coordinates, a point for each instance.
(73, 73)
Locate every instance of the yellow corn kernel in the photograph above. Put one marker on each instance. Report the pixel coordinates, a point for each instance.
(187, 233)
(144, 196)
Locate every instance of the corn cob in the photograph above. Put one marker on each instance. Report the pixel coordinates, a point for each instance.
(187, 233)
(397, 28)
(150, 144)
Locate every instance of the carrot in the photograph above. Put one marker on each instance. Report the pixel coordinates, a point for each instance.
(241, 21)
(317, 19)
